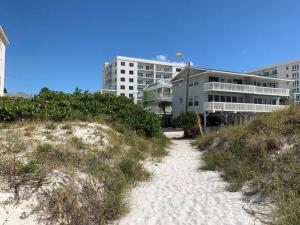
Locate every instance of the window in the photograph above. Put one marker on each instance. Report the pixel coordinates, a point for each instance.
(237, 81)
(240, 99)
(196, 101)
(222, 98)
(217, 98)
(273, 101)
(131, 65)
(122, 71)
(130, 79)
(122, 63)
(140, 74)
(178, 69)
(167, 76)
(149, 75)
(266, 73)
(131, 72)
(210, 98)
(287, 75)
(264, 84)
(228, 98)
(190, 102)
(115, 63)
(213, 79)
(148, 82)
(123, 79)
(140, 81)
(130, 87)
(274, 72)
(234, 99)
(122, 87)
(191, 84)
(196, 83)
(158, 75)
(147, 67)
(180, 100)
(130, 95)
(287, 68)
(122, 94)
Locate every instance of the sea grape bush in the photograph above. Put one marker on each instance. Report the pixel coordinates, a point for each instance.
(58, 106)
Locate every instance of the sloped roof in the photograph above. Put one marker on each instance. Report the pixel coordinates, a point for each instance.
(193, 71)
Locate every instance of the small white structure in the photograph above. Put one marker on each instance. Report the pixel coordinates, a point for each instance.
(228, 94)
(285, 70)
(3, 42)
(128, 76)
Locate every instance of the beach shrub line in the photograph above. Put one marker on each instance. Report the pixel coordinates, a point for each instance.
(58, 106)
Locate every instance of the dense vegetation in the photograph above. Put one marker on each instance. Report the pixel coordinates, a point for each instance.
(59, 106)
(263, 153)
(188, 122)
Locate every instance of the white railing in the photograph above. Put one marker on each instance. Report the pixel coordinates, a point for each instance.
(241, 88)
(240, 107)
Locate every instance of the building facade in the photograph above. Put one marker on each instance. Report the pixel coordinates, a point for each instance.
(227, 94)
(157, 93)
(3, 42)
(288, 70)
(129, 76)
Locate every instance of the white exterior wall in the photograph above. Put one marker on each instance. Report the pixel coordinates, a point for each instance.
(285, 71)
(2, 67)
(112, 74)
(199, 92)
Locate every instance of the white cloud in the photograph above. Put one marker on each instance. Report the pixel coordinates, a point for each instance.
(162, 58)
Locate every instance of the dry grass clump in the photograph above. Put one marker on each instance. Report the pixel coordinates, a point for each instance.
(265, 154)
(80, 174)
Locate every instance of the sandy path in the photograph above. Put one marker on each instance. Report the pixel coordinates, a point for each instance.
(181, 194)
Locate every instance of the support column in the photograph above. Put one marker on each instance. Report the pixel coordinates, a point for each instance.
(205, 114)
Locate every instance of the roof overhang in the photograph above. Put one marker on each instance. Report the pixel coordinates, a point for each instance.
(3, 36)
(201, 71)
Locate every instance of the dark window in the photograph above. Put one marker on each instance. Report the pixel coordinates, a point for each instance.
(131, 65)
(222, 98)
(131, 72)
(264, 84)
(122, 63)
(213, 79)
(240, 99)
(196, 101)
(228, 98)
(130, 79)
(122, 94)
(130, 95)
(217, 98)
(196, 83)
(130, 87)
(287, 68)
(123, 79)
(210, 98)
(234, 99)
(122, 71)
(190, 103)
(178, 69)
(122, 87)
(273, 101)
(191, 84)
(237, 81)
(147, 67)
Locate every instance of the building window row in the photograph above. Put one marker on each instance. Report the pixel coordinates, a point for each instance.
(131, 72)
(124, 64)
(123, 79)
(194, 84)
(122, 87)
(222, 98)
(193, 101)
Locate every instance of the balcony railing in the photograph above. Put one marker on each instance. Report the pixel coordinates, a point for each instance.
(240, 107)
(240, 88)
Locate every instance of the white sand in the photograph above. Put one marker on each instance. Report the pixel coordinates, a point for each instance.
(181, 194)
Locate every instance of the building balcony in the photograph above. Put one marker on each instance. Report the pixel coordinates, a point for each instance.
(240, 107)
(249, 89)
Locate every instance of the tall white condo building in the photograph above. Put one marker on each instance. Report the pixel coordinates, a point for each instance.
(128, 76)
(3, 42)
(287, 70)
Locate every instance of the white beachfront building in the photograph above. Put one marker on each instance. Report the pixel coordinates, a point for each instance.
(285, 70)
(128, 76)
(3, 42)
(229, 95)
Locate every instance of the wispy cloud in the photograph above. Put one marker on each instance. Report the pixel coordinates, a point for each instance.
(162, 58)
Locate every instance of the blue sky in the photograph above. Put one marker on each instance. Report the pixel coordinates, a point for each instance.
(61, 44)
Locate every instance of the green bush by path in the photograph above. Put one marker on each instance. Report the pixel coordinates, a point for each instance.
(58, 106)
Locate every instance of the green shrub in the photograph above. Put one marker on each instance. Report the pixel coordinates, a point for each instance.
(59, 106)
(188, 121)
